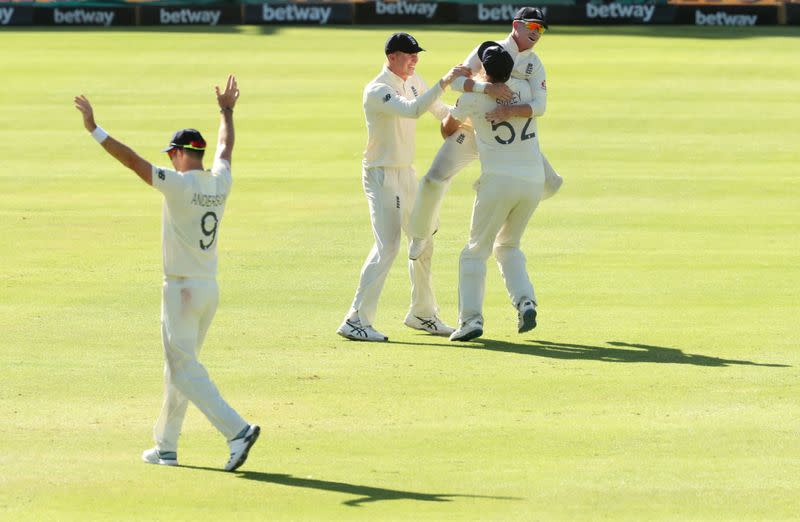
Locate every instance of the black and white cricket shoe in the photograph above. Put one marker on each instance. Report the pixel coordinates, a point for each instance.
(526, 315)
(470, 329)
(432, 325)
(240, 447)
(354, 330)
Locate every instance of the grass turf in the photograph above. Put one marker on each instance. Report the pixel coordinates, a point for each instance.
(662, 382)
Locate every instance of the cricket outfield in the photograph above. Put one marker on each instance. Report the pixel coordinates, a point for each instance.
(661, 384)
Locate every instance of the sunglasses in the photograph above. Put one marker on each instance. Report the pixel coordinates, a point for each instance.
(533, 26)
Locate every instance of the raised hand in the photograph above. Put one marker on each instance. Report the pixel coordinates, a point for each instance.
(227, 98)
(83, 105)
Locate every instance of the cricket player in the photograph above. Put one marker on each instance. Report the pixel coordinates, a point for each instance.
(392, 103)
(508, 191)
(459, 149)
(194, 202)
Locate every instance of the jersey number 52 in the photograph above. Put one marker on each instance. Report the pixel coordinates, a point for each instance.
(513, 136)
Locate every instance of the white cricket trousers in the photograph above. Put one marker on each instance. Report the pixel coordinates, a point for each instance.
(458, 150)
(187, 308)
(503, 206)
(390, 195)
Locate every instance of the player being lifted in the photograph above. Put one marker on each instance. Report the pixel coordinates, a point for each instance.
(194, 202)
(459, 149)
(508, 191)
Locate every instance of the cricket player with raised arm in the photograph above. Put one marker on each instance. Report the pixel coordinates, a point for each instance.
(459, 149)
(194, 202)
(508, 191)
(392, 103)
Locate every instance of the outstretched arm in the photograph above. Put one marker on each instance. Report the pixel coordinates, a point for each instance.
(226, 100)
(382, 98)
(119, 150)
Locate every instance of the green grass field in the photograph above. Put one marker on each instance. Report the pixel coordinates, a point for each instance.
(661, 384)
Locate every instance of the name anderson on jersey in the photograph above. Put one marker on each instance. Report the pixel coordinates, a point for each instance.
(208, 200)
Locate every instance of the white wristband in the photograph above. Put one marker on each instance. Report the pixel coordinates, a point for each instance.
(99, 134)
(479, 87)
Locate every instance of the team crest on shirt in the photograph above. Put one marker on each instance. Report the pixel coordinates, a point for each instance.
(387, 98)
(460, 138)
(161, 174)
(414, 90)
(529, 69)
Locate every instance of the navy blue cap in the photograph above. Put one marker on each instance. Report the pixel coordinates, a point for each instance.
(496, 61)
(402, 42)
(531, 14)
(186, 139)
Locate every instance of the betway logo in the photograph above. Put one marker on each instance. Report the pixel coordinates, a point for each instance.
(499, 13)
(721, 18)
(80, 17)
(405, 8)
(641, 11)
(189, 16)
(296, 13)
(5, 15)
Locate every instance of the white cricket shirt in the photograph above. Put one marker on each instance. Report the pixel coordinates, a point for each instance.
(194, 202)
(509, 147)
(527, 66)
(391, 107)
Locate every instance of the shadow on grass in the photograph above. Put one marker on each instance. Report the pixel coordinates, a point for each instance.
(618, 351)
(364, 494)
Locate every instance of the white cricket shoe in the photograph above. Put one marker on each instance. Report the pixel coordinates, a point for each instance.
(353, 329)
(416, 247)
(165, 458)
(241, 447)
(432, 325)
(469, 329)
(526, 314)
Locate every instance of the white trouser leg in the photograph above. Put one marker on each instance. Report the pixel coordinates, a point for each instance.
(188, 306)
(493, 203)
(423, 301)
(167, 430)
(552, 181)
(384, 201)
(509, 257)
(457, 151)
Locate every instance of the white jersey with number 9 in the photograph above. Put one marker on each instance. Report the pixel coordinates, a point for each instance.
(194, 202)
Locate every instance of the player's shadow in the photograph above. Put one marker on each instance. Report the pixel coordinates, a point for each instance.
(618, 351)
(363, 494)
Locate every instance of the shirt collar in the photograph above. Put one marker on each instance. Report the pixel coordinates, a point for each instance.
(511, 45)
(393, 77)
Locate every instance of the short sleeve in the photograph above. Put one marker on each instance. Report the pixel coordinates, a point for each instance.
(167, 181)
(222, 168)
(464, 107)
